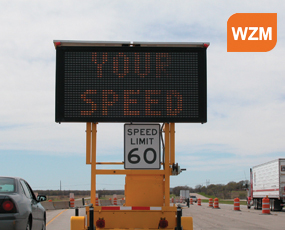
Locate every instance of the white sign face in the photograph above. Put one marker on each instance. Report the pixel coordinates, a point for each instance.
(142, 146)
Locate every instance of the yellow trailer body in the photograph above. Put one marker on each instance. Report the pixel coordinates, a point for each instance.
(147, 195)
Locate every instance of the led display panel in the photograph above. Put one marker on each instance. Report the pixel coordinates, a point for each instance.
(131, 84)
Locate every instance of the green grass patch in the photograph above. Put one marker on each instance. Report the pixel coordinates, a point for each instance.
(224, 201)
(203, 194)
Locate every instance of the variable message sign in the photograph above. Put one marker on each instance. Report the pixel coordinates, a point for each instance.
(131, 83)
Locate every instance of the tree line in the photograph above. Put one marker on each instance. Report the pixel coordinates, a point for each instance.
(101, 193)
(228, 191)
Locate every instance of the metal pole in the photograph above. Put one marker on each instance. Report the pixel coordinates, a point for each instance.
(167, 168)
(93, 163)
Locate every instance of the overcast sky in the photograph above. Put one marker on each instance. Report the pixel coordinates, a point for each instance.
(246, 91)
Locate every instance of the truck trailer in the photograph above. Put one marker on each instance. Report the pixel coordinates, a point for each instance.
(267, 180)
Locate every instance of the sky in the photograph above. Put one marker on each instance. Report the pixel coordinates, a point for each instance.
(245, 90)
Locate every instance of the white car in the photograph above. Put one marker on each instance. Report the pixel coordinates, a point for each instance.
(194, 198)
(19, 208)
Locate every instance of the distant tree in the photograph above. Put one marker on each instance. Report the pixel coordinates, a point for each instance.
(176, 190)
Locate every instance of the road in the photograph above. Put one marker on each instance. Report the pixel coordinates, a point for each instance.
(226, 218)
(199, 196)
(60, 219)
(204, 217)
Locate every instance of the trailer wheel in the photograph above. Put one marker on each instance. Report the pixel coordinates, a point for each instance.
(255, 203)
(271, 204)
(276, 205)
(259, 204)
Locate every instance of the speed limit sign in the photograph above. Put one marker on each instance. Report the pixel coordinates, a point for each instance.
(142, 146)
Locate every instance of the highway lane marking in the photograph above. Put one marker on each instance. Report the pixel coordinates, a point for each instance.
(56, 217)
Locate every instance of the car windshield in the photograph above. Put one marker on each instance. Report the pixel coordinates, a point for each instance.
(7, 185)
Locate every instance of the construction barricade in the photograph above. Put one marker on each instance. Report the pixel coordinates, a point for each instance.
(199, 202)
(71, 200)
(265, 205)
(236, 204)
(216, 203)
(211, 202)
(115, 199)
(97, 200)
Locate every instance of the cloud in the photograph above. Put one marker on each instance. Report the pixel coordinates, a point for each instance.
(245, 90)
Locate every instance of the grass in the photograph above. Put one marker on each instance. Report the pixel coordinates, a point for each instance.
(224, 202)
(221, 201)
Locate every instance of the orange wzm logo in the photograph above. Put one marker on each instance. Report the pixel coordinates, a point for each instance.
(251, 32)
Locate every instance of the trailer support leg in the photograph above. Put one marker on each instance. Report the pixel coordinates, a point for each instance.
(179, 214)
(91, 218)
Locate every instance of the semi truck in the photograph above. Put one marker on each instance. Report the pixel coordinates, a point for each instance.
(267, 180)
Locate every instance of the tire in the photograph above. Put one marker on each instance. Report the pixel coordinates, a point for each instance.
(28, 226)
(259, 204)
(276, 205)
(271, 205)
(255, 203)
(44, 226)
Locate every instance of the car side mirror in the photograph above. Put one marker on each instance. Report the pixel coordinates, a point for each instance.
(41, 198)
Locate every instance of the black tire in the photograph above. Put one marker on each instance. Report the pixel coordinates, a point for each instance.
(277, 205)
(255, 203)
(44, 226)
(28, 226)
(271, 203)
(259, 204)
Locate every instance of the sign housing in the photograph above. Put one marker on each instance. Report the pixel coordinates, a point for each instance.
(123, 82)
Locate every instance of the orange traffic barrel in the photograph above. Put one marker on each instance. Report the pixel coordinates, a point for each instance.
(265, 205)
(71, 201)
(216, 203)
(236, 204)
(191, 201)
(199, 202)
(115, 201)
(211, 202)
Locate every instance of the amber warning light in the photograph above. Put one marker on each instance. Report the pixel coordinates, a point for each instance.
(111, 83)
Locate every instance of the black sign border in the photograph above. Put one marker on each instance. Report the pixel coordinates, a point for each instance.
(202, 84)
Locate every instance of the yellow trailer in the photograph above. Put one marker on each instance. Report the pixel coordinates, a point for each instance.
(108, 81)
(147, 193)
